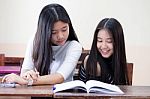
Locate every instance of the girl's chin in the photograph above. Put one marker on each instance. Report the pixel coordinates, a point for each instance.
(106, 56)
(60, 43)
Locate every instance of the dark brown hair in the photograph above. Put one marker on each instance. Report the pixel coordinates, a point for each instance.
(118, 58)
(42, 46)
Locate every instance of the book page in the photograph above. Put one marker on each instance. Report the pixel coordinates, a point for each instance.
(101, 85)
(103, 91)
(68, 85)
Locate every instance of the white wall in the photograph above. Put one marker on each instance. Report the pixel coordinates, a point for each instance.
(18, 21)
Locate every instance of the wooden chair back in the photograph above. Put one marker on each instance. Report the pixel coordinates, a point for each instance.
(130, 72)
(13, 61)
(10, 61)
(2, 58)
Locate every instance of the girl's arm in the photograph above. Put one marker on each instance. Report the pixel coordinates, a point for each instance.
(66, 68)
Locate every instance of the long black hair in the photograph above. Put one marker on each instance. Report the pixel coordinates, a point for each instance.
(118, 59)
(42, 46)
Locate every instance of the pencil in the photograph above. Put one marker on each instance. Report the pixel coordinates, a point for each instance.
(36, 71)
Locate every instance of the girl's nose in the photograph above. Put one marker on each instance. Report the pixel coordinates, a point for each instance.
(60, 36)
(104, 45)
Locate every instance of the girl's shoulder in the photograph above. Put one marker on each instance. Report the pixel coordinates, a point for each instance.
(75, 44)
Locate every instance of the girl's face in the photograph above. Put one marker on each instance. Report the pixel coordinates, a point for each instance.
(104, 43)
(60, 33)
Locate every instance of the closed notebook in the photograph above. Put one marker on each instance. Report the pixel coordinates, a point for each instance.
(91, 86)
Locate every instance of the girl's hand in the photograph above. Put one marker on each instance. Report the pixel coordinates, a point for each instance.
(13, 78)
(31, 75)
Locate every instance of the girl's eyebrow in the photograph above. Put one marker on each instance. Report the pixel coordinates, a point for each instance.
(106, 38)
(64, 27)
(61, 28)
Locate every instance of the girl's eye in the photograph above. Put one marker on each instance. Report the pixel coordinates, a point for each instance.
(99, 40)
(53, 32)
(109, 41)
(64, 30)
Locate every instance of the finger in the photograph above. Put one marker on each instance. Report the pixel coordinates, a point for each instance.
(24, 77)
(4, 78)
(37, 73)
(28, 77)
(34, 75)
(9, 80)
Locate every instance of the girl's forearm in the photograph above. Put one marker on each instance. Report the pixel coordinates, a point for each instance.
(49, 79)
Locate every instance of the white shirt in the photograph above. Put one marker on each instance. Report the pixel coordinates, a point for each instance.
(66, 58)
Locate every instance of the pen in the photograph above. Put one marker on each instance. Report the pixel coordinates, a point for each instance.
(36, 71)
(30, 81)
(54, 87)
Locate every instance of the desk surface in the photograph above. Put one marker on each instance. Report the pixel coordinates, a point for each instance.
(46, 91)
(32, 91)
(130, 92)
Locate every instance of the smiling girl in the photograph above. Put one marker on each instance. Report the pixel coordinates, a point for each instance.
(107, 59)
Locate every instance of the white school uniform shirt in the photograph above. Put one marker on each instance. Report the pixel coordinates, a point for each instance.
(65, 59)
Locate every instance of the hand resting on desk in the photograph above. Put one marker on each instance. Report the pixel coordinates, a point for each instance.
(31, 74)
(14, 78)
(26, 79)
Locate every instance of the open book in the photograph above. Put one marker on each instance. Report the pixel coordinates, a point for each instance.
(91, 86)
